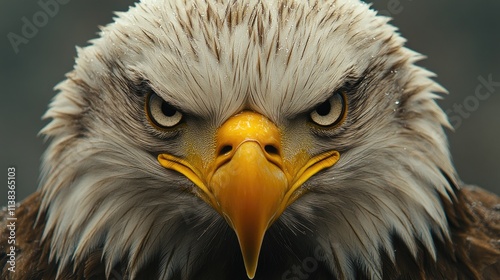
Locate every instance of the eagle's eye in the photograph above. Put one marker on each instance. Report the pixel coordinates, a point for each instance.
(331, 112)
(160, 113)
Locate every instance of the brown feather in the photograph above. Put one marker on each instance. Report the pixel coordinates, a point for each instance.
(478, 243)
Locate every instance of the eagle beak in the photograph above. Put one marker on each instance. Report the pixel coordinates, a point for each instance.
(249, 182)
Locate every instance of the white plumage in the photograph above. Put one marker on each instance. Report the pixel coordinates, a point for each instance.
(103, 188)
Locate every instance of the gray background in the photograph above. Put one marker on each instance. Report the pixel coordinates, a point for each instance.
(460, 38)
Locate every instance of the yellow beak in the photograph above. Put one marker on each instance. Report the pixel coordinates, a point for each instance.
(249, 182)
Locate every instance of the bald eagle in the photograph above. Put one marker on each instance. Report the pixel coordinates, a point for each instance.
(280, 139)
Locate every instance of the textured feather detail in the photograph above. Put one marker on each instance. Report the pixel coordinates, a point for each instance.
(389, 208)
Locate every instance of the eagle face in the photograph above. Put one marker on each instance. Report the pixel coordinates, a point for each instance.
(246, 136)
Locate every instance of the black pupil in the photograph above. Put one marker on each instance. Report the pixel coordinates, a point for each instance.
(324, 108)
(167, 109)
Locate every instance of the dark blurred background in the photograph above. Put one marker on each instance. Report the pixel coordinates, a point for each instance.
(460, 38)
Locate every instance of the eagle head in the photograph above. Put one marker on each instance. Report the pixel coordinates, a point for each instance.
(213, 138)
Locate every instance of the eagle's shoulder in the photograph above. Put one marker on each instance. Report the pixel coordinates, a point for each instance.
(484, 206)
(25, 257)
(32, 252)
(472, 249)
(474, 224)
(480, 239)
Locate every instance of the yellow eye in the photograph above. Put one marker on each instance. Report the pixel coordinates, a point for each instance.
(331, 112)
(160, 113)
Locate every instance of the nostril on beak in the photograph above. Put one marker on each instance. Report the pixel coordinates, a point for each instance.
(271, 149)
(225, 149)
